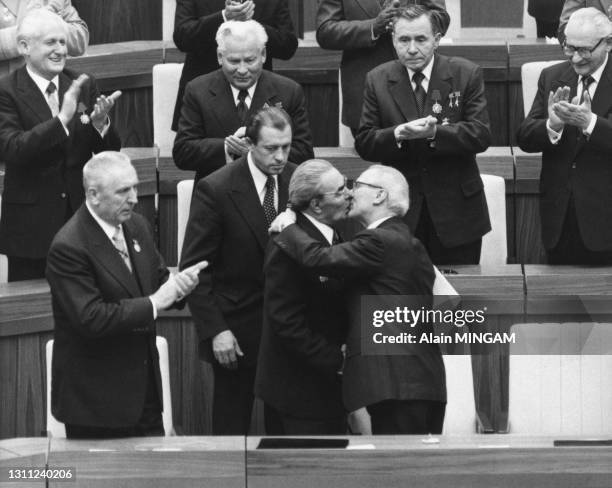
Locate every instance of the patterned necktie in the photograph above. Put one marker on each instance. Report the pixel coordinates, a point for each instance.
(121, 247)
(586, 83)
(268, 201)
(419, 91)
(242, 108)
(52, 98)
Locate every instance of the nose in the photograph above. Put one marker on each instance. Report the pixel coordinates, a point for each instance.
(412, 47)
(133, 196)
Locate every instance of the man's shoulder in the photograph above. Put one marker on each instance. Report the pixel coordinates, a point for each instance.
(279, 81)
(455, 63)
(205, 81)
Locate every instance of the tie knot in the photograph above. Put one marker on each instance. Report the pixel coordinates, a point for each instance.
(51, 88)
(242, 94)
(418, 78)
(270, 183)
(587, 81)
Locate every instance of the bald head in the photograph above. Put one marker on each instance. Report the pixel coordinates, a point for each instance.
(589, 20)
(110, 183)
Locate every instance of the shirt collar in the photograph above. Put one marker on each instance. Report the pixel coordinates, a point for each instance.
(598, 72)
(426, 70)
(325, 229)
(109, 229)
(376, 223)
(250, 91)
(42, 83)
(259, 177)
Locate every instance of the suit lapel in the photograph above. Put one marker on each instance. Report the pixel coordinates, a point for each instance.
(310, 229)
(140, 264)
(371, 7)
(223, 101)
(244, 195)
(401, 91)
(602, 101)
(32, 96)
(265, 92)
(441, 82)
(104, 252)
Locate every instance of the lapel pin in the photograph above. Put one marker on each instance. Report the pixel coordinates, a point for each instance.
(457, 95)
(136, 245)
(445, 121)
(451, 96)
(436, 108)
(83, 117)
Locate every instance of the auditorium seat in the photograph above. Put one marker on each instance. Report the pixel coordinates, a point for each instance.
(165, 87)
(56, 428)
(345, 136)
(561, 379)
(530, 74)
(3, 260)
(494, 250)
(184, 189)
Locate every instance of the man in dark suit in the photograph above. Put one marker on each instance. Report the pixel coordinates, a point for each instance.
(546, 14)
(51, 122)
(404, 392)
(228, 226)
(197, 21)
(426, 115)
(300, 358)
(360, 28)
(212, 125)
(570, 6)
(108, 283)
(570, 122)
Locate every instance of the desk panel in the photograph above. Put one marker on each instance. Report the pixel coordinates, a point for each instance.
(22, 453)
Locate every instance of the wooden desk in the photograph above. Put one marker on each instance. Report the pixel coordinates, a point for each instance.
(155, 461)
(501, 290)
(504, 461)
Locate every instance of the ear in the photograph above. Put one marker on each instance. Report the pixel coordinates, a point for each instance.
(381, 197)
(263, 55)
(437, 38)
(313, 205)
(23, 47)
(92, 196)
(219, 57)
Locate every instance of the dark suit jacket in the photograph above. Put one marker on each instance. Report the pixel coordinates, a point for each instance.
(227, 227)
(545, 10)
(43, 181)
(347, 25)
(195, 26)
(104, 329)
(303, 328)
(575, 165)
(209, 115)
(444, 172)
(387, 260)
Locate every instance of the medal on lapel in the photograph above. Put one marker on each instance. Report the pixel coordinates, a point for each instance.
(436, 108)
(83, 117)
(445, 121)
(136, 245)
(457, 95)
(451, 97)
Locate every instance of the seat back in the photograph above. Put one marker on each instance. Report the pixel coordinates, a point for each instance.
(460, 416)
(165, 87)
(530, 74)
(3, 259)
(494, 248)
(55, 428)
(184, 189)
(561, 379)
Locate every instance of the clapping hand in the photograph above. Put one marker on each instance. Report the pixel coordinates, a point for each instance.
(416, 129)
(235, 10)
(576, 114)
(562, 94)
(101, 109)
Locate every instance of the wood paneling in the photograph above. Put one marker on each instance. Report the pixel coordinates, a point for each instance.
(495, 13)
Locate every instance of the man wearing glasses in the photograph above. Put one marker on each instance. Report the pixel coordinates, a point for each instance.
(304, 326)
(570, 122)
(404, 392)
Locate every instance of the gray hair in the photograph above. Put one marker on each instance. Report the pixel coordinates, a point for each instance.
(306, 182)
(236, 28)
(33, 23)
(590, 18)
(99, 168)
(395, 185)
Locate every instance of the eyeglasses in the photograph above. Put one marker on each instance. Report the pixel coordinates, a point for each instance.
(341, 189)
(583, 52)
(358, 183)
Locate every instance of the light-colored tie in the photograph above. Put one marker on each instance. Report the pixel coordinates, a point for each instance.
(52, 98)
(121, 247)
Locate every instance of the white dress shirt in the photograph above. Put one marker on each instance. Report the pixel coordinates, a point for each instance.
(260, 179)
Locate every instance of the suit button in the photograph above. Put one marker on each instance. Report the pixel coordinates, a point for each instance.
(63, 195)
(574, 165)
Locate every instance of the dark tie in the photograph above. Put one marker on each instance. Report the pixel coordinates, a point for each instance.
(51, 99)
(419, 91)
(336, 239)
(586, 83)
(242, 107)
(268, 201)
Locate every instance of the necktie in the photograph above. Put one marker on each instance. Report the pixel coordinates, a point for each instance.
(242, 108)
(586, 83)
(336, 239)
(268, 201)
(52, 98)
(121, 247)
(419, 91)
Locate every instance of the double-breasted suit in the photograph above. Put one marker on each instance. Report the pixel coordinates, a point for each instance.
(209, 115)
(195, 26)
(43, 182)
(443, 172)
(577, 165)
(104, 335)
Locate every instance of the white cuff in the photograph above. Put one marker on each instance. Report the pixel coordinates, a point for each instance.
(589, 130)
(553, 135)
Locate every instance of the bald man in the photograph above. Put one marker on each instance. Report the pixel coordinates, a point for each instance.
(52, 121)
